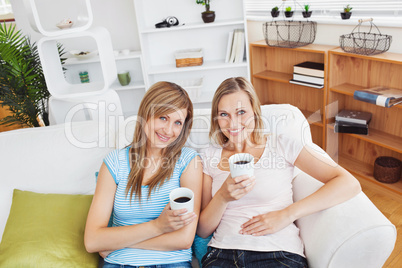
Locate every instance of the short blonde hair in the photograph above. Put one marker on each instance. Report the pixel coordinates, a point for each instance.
(229, 86)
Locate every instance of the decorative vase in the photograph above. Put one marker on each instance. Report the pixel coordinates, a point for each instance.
(208, 16)
(288, 14)
(275, 14)
(307, 14)
(346, 15)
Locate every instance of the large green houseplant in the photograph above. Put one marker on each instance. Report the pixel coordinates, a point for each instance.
(23, 87)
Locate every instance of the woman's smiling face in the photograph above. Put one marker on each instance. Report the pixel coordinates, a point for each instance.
(163, 130)
(236, 116)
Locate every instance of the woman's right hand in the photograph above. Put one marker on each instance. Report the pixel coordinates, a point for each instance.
(172, 220)
(235, 188)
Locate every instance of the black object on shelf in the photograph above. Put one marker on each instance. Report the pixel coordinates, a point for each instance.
(344, 127)
(387, 169)
(365, 43)
(168, 22)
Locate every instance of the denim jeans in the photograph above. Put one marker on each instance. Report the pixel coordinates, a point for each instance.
(216, 257)
(171, 265)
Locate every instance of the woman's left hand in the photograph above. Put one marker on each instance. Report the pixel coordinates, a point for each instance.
(268, 223)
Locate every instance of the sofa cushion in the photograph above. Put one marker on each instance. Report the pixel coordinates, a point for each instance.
(58, 159)
(46, 230)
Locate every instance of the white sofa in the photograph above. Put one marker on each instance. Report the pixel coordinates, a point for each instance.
(64, 158)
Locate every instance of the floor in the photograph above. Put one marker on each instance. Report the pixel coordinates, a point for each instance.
(392, 209)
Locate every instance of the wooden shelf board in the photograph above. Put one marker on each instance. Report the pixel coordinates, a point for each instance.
(349, 89)
(346, 89)
(316, 48)
(365, 171)
(389, 57)
(378, 137)
(274, 76)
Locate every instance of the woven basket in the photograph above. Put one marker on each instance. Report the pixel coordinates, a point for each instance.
(189, 57)
(189, 62)
(387, 169)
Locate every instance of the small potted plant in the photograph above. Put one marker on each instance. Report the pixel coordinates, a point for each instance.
(207, 15)
(288, 12)
(307, 13)
(275, 12)
(346, 14)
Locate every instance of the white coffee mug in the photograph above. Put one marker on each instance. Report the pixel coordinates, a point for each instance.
(241, 164)
(182, 198)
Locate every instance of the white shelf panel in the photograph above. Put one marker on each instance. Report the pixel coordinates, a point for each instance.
(191, 26)
(133, 85)
(209, 65)
(74, 61)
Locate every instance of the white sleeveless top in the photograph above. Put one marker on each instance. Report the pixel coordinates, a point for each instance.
(272, 191)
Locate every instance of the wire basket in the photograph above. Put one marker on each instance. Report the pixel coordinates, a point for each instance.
(289, 34)
(365, 43)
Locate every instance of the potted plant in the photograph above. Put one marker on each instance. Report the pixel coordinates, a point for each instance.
(207, 15)
(288, 12)
(23, 89)
(307, 13)
(275, 12)
(345, 15)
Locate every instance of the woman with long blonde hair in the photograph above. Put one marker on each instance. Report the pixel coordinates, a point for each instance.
(252, 218)
(134, 185)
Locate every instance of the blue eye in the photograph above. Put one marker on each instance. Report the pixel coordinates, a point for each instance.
(178, 123)
(241, 112)
(223, 114)
(162, 118)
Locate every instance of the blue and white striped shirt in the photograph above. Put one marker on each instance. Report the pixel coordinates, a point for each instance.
(126, 213)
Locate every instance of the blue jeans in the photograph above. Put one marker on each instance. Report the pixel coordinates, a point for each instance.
(171, 265)
(216, 257)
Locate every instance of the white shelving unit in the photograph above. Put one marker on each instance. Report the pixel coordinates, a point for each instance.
(130, 95)
(44, 22)
(158, 45)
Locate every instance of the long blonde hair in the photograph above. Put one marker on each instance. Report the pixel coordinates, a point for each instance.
(161, 98)
(229, 86)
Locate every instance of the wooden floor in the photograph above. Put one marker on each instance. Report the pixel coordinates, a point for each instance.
(392, 209)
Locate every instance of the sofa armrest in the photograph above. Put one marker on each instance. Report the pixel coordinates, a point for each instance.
(352, 234)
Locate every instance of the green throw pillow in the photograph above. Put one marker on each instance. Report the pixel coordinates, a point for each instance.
(46, 230)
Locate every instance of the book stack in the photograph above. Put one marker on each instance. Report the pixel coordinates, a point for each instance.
(236, 46)
(350, 121)
(310, 74)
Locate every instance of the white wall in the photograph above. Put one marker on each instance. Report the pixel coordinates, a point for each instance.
(328, 34)
(118, 17)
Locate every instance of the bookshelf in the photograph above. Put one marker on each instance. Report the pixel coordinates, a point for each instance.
(158, 45)
(357, 153)
(271, 70)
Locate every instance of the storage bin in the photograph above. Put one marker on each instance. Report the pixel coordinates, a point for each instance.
(189, 57)
(192, 86)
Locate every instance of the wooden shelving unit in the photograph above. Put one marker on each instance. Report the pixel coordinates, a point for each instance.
(271, 70)
(357, 153)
